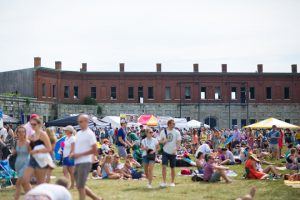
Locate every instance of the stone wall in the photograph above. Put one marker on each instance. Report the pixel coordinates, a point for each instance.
(204, 112)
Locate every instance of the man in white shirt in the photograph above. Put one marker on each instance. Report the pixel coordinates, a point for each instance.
(85, 148)
(171, 139)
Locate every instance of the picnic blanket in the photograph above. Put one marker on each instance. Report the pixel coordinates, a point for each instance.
(229, 173)
(294, 184)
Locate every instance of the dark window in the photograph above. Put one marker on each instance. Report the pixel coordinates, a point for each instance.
(243, 95)
(150, 93)
(76, 92)
(94, 92)
(203, 93)
(287, 120)
(66, 92)
(243, 122)
(286, 93)
(217, 93)
(113, 93)
(233, 122)
(53, 90)
(43, 89)
(252, 121)
(187, 93)
(269, 93)
(252, 93)
(130, 92)
(140, 93)
(233, 93)
(168, 93)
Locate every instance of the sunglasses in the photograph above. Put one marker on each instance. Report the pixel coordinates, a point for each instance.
(80, 122)
(33, 125)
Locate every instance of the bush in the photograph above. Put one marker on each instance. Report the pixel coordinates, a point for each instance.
(99, 110)
(89, 101)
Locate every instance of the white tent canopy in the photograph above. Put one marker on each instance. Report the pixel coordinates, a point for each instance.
(196, 124)
(113, 120)
(179, 122)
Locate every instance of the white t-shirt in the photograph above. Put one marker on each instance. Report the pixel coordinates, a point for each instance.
(3, 133)
(173, 137)
(204, 148)
(67, 147)
(151, 144)
(84, 140)
(54, 192)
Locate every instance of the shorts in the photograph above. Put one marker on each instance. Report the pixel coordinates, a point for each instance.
(81, 173)
(146, 161)
(274, 147)
(215, 177)
(34, 164)
(168, 157)
(122, 151)
(68, 162)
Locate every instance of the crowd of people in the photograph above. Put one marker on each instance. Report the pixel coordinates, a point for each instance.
(131, 153)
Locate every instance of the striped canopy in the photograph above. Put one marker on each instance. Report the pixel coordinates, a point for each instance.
(148, 120)
(268, 123)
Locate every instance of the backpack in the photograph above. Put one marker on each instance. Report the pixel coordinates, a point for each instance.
(186, 171)
(161, 145)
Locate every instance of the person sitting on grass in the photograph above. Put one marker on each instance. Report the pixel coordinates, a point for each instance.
(213, 172)
(107, 170)
(229, 158)
(130, 165)
(96, 168)
(200, 162)
(254, 170)
(292, 161)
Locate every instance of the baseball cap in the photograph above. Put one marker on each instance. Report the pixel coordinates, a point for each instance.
(34, 116)
(69, 128)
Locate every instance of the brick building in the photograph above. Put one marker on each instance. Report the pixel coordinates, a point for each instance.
(220, 99)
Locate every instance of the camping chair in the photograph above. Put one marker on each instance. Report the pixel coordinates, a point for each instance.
(7, 175)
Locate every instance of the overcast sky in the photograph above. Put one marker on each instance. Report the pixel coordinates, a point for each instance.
(140, 33)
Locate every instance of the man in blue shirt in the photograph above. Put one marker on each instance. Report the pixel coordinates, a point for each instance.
(122, 142)
(274, 136)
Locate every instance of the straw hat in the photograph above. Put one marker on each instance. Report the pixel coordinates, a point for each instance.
(253, 156)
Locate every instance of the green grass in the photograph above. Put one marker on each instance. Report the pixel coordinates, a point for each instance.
(185, 188)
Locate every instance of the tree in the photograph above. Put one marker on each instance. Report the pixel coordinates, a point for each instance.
(89, 101)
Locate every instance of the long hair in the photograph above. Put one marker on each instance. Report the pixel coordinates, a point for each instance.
(51, 135)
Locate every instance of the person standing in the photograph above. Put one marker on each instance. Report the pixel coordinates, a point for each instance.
(150, 146)
(68, 163)
(51, 134)
(85, 147)
(122, 142)
(236, 137)
(22, 152)
(171, 140)
(274, 136)
(40, 159)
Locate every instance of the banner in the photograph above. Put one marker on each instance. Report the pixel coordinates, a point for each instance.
(129, 118)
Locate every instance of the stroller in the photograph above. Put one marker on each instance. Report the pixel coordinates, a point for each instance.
(7, 175)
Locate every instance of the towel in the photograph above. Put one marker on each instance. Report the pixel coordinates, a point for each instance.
(43, 159)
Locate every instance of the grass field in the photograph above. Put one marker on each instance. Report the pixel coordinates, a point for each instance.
(185, 188)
